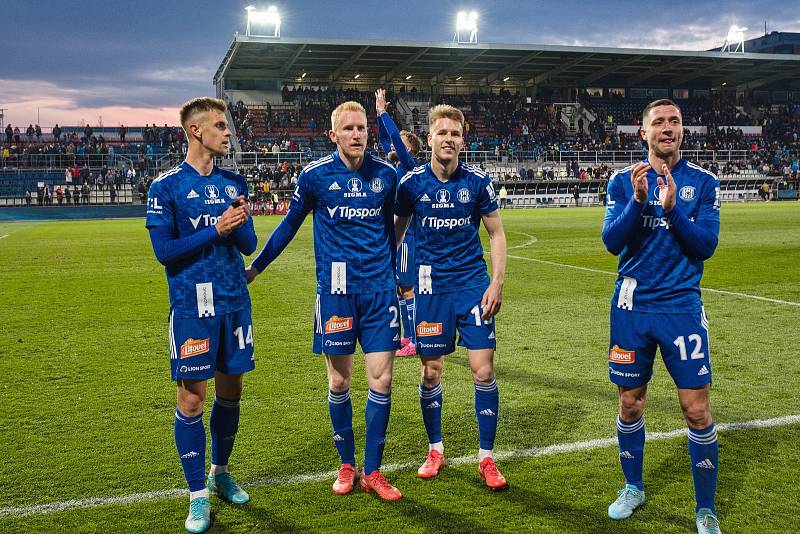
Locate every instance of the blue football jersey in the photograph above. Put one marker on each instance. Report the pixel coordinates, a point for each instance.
(353, 223)
(447, 216)
(655, 275)
(211, 281)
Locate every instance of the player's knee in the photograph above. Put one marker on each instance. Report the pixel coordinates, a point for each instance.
(381, 383)
(190, 407)
(631, 407)
(697, 415)
(483, 374)
(338, 382)
(431, 372)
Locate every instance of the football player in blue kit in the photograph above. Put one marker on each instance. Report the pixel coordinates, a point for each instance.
(401, 147)
(199, 226)
(351, 194)
(662, 219)
(448, 199)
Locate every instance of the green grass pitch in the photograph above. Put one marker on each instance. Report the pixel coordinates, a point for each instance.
(86, 403)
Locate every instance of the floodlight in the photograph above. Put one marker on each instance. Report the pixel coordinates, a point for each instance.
(357, 76)
(506, 78)
(466, 27)
(734, 42)
(270, 19)
(408, 77)
(303, 75)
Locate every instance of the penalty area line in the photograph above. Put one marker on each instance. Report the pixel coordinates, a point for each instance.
(550, 450)
(708, 289)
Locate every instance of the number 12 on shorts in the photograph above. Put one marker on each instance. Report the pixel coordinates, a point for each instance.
(242, 340)
(698, 344)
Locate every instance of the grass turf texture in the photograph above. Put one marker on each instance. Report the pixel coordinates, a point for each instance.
(87, 404)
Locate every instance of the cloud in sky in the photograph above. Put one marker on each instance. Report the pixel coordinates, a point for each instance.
(138, 62)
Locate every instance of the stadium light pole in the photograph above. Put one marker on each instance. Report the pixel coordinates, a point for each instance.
(269, 18)
(734, 42)
(466, 28)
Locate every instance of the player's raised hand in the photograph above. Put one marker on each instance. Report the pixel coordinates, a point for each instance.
(666, 192)
(639, 181)
(492, 299)
(380, 101)
(241, 204)
(251, 273)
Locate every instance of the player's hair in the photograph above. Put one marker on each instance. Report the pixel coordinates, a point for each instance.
(200, 104)
(655, 104)
(445, 111)
(412, 139)
(350, 105)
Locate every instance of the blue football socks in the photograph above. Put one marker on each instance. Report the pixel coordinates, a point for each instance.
(340, 408)
(487, 400)
(377, 416)
(630, 437)
(223, 424)
(190, 440)
(430, 401)
(704, 452)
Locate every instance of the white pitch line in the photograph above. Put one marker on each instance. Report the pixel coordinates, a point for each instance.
(550, 450)
(2, 236)
(710, 290)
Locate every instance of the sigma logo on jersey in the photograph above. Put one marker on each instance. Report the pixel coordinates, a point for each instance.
(346, 212)
(338, 324)
(355, 187)
(208, 220)
(192, 194)
(648, 221)
(687, 193)
(618, 355)
(429, 329)
(438, 223)
(376, 185)
(231, 191)
(464, 195)
(193, 347)
(442, 199)
(212, 195)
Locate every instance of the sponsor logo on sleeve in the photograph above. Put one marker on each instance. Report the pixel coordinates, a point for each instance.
(464, 195)
(429, 329)
(618, 355)
(193, 347)
(338, 324)
(376, 185)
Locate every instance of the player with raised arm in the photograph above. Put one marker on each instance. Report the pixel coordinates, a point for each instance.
(351, 194)
(199, 226)
(401, 147)
(448, 199)
(662, 219)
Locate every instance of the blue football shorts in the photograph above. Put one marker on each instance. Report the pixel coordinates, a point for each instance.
(372, 319)
(438, 317)
(682, 339)
(405, 265)
(201, 346)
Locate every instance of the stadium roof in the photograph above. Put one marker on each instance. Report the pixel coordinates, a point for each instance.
(337, 61)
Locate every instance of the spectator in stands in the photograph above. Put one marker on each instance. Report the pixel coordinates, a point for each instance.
(29, 133)
(59, 195)
(48, 198)
(16, 134)
(28, 197)
(85, 193)
(122, 131)
(57, 133)
(87, 132)
(764, 191)
(576, 193)
(9, 133)
(76, 194)
(503, 195)
(38, 131)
